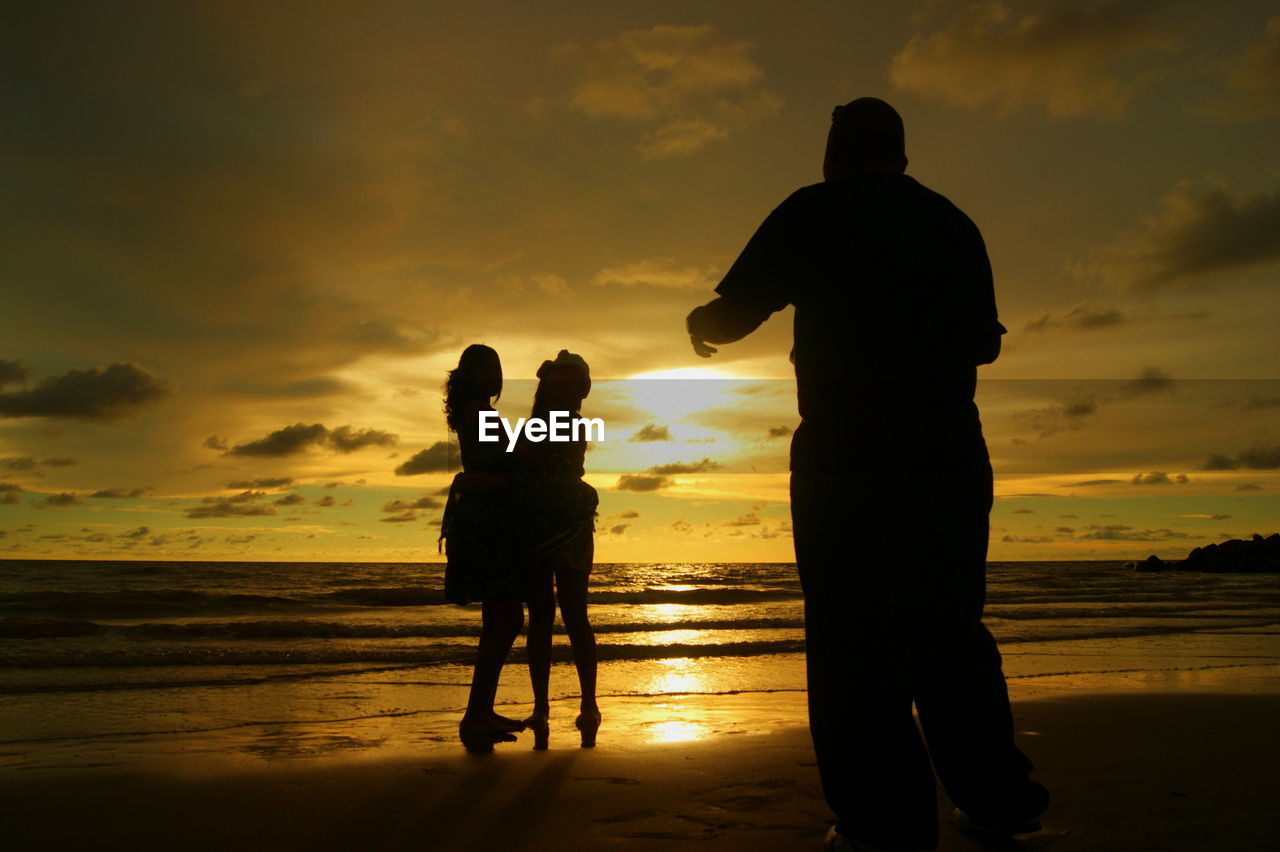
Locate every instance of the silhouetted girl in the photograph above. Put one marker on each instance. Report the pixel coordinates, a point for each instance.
(485, 562)
(560, 525)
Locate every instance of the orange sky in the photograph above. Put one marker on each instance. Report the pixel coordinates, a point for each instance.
(230, 226)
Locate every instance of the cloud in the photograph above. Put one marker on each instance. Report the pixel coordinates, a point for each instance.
(440, 457)
(685, 467)
(60, 501)
(1199, 229)
(295, 439)
(1052, 419)
(402, 518)
(651, 432)
(19, 463)
(344, 439)
(1026, 539)
(641, 482)
(9, 492)
(630, 513)
(1259, 457)
(779, 431)
(423, 502)
(750, 519)
(1158, 477)
(1151, 380)
(13, 372)
(1088, 316)
(88, 394)
(120, 493)
(658, 273)
(283, 442)
(137, 533)
(682, 86)
(292, 499)
(1120, 532)
(1255, 78)
(325, 501)
(1071, 59)
(261, 482)
(1249, 486)
(213, 442)
(1091, 482)
(1206, 516)
(242, 505)
(1024, 511)
(618, 529)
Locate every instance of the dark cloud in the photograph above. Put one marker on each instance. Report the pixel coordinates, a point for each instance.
(652, 432)
(61, 500)
(423, 502)
(283, 442)
(630, 513)
(297, 438)
(19, 463)
(1026, 539)
(685, 467)
(120, 493)
(261, 482)
(440, 457)
(751, 519)
(1090, 317)
(13, 372)
(325, 501)
(1158, 477)
(1151, 380)
(309, 388)
(403, 517)
(213, 442)
(1120, 532)
(1024, 511)
(780, 431)
(345, 439)
(618, 529)
(292, 499)
(1065, 530)
(1259, 457)
(1198, 230)
(242, 505)
(1249, 486)
(640, 482)
(139, 532)
(1089, 482)
(1255, 402)
(88, 394)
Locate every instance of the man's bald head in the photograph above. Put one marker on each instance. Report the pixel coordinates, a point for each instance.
(866, 136)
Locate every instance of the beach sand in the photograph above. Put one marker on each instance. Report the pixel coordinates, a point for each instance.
(1164, 764)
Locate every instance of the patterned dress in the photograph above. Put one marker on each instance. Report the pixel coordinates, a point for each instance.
(561, 508)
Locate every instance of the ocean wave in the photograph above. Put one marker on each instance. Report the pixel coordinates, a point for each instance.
(186, 602)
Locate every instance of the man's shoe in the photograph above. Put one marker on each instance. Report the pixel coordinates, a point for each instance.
(837, 842)
(994, 828)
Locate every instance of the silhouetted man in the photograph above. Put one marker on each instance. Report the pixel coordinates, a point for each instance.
(891, 487)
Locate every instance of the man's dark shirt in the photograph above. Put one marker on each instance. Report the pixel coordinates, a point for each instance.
(894, 308)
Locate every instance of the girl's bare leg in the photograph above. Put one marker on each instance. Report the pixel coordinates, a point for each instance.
(500, 622)
(542, 616)
(571, 583)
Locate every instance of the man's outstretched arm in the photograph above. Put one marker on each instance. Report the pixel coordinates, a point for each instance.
(723, 320)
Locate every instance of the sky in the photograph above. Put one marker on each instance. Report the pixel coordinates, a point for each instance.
(244, 242)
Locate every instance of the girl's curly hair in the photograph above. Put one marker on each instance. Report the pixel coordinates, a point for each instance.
(460, 387)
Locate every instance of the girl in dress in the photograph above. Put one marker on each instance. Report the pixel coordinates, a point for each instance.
(485, 562)
(560, 527)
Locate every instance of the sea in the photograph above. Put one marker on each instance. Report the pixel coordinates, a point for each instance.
(105, 660)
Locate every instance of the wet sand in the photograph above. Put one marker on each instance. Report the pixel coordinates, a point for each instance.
(1143, 768)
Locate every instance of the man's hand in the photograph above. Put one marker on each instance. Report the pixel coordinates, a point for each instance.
(700, 346)
(722, 320)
